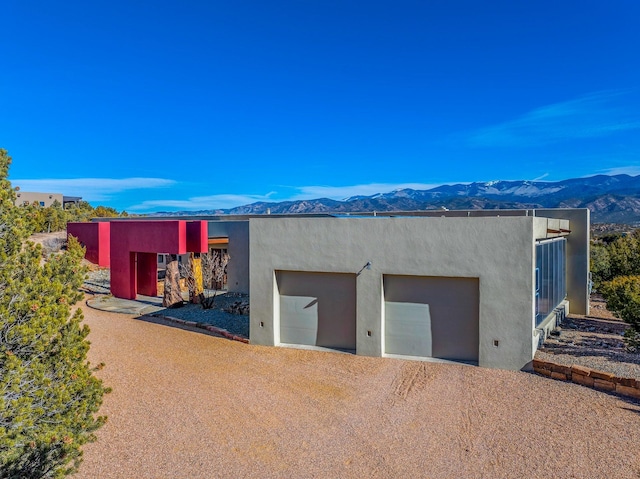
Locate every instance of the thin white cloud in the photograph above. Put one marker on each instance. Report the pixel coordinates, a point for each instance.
(342, 192)
(541, 177)
(596, 115)
(211, 202)
(622, 170)
(91, 189)
(228, 201)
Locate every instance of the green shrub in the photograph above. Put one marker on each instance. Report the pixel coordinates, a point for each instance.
(622, 295)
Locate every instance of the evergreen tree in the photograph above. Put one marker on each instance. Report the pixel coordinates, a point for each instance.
(55, 218)
(80, 212)
(624, 255)
(105, 212)
(622, 295)
(600, 264)
(48, 393)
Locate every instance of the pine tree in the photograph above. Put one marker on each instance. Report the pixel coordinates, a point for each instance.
(622, 295)
(49, 396)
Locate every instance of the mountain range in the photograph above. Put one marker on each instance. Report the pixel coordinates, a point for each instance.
(611, 199)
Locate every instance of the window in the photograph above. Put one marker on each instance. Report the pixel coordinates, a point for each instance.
(42, 203)
(551, 283)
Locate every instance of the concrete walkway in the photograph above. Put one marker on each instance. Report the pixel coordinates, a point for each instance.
(143, 305)
(216, 320)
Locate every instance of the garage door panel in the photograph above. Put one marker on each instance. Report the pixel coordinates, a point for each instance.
(317, 309)
(409, 329)
(453, 310)
(298, 319)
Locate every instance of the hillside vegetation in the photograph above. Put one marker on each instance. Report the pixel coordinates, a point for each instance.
(615, 269)
(52, 218)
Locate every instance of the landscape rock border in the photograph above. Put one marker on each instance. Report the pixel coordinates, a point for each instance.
(588, 377)
(212, 329)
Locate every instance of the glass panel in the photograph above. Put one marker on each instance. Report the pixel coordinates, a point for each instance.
(551, 285)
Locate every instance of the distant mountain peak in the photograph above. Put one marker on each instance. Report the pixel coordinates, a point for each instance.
(611, 199)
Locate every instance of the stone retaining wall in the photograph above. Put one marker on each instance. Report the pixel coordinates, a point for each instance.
(589, 377)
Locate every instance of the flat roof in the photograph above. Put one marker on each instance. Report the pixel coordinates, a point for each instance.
(356, 214)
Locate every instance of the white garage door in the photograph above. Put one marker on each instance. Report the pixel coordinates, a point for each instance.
(432, 316)
(317, 309)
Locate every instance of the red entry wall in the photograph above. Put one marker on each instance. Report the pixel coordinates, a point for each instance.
(95, 238)
(134, 249)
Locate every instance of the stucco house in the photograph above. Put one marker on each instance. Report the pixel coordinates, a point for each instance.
(482, 286)
(24, 198)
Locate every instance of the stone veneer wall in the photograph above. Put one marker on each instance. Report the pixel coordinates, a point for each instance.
(589, 377)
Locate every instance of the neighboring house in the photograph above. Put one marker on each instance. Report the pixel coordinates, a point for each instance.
(482, 286)
(44, 199)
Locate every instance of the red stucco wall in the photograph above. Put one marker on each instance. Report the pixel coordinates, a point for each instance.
(132, 271)
(95, 238)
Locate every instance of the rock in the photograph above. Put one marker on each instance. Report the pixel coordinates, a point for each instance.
(238, 307)
(584, 380)
(604, 385)
(576, 369)
(602, 375)
(628, 391)
(172, 297)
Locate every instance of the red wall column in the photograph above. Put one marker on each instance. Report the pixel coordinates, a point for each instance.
(95, 238)
(104, 243)
(197, 237)
(147, 238)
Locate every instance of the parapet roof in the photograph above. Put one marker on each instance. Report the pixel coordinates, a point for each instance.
(358, 214)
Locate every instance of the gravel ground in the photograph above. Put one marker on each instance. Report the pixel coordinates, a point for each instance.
(237, 324)
(189, 405)
(594, 341)
(98, 280)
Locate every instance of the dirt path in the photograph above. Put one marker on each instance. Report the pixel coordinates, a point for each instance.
(187, 405)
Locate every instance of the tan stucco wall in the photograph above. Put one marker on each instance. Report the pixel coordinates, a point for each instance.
(47, 198)
(238, 249)
(578, 248)
(499, 251)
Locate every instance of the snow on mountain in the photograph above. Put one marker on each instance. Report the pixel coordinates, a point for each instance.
(610, 198)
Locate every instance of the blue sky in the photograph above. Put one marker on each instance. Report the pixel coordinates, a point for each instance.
(166, 105)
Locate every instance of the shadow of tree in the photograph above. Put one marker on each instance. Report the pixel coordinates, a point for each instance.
(637, 411)
(41, 460)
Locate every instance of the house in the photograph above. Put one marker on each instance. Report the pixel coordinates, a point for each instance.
(481, 286)
(45, 200)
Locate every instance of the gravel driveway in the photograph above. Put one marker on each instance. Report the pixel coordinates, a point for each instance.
(188, 405)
